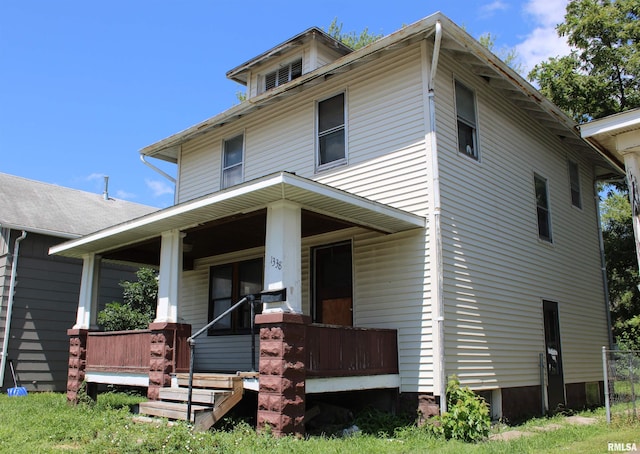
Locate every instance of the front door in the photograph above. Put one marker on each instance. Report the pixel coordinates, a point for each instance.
(332, 284)
(555, 377)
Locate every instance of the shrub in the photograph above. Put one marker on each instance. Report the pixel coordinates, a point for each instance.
(139, 307)
(467, 416)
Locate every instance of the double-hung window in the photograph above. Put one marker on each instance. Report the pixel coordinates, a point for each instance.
(574, 182)
(283, 74)
(228, 284)
(466, 120)
(232, 161)
(542, 204)
(331, 145)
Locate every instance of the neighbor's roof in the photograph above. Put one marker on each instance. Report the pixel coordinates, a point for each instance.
(455, 40)
(54, 210)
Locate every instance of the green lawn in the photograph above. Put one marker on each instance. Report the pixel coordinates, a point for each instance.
(44, 423)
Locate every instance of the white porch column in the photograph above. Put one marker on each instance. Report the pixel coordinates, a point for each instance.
(282, 262)
(88, 298)
(169, 277)
(632, 166)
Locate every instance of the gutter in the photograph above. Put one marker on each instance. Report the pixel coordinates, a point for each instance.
(7, 324)
(440, 381)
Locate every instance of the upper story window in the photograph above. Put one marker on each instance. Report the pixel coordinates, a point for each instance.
(542, 202)
(283, 74)
(574, 181)
(466, 116)
(331, 146)
(228, 284)
(232, 161)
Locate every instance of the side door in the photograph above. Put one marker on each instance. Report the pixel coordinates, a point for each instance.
(555, 374)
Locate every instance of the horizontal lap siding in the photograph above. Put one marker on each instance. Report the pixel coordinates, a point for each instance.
(497, 272)
(45, 306)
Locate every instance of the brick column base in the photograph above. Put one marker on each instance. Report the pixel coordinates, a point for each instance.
(164, 354)
(77, 362)
(281, 393)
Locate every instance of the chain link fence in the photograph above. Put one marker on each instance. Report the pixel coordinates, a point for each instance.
(621, 383)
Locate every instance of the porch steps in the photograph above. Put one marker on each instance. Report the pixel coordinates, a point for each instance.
(213, 395)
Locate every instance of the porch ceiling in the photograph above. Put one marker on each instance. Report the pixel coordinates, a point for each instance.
(317, 199)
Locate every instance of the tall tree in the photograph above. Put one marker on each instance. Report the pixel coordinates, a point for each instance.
(352, 39)
(508, 55)
(601, 76)
(622, 266)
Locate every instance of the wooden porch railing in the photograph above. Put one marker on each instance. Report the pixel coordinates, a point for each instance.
(119, 351)
(341, 351)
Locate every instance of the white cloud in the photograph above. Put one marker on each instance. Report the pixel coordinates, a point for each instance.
(95, 176)
(158, 187)
(489, 9)
(124, 195)
(543, 41)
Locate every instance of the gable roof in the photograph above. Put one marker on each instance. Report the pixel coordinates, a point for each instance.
(454, 40)
(54, 210)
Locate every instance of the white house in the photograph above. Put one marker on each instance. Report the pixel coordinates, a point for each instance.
(416, 210)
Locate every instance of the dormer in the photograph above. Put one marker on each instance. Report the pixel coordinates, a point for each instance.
(299, 55)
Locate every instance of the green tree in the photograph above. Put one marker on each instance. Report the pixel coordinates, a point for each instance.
(139, 306)
(601, 75)
(622, 266)
(352, 39)
(508, 55)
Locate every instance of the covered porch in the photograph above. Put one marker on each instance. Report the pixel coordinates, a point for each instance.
(272, 214)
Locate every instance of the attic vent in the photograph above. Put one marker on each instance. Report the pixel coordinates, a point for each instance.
(283, 75)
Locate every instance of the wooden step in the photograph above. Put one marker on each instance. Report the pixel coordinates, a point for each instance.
(217, 381)
(172, 410)
(198, 395)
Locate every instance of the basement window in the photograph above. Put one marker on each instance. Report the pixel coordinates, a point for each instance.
(283, 74)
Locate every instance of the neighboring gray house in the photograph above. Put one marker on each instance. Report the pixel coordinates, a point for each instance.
(33, 217)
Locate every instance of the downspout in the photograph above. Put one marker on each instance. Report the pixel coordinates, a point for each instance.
(7, 324)
(160, 171)
(441, 377)
(603, 266)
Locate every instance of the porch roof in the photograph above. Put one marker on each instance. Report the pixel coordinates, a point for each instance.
(245, 198)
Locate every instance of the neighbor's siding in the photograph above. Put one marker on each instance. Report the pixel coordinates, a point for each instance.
(497, 272)
(387, 162)
(45, 306)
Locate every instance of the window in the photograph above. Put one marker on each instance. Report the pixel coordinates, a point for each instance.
(228, 284)
(542, 202)
(466, 113)
(331, 131)
(283, 75)
(574, 181)
(232, 161)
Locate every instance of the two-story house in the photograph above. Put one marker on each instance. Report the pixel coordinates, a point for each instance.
(415, 209)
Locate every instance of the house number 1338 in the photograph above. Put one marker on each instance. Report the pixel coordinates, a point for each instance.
(276, 263)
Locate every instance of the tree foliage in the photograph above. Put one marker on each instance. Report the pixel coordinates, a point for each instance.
(622, 267)
(352, 39)
(601, 75)
(508, 55)
(139, 306)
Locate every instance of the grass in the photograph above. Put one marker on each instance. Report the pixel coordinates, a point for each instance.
(45, 423)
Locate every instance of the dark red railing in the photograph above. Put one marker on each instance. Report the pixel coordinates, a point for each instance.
(341, 351)
(119, 351)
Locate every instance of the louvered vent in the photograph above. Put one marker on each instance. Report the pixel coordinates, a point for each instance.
(283, 75)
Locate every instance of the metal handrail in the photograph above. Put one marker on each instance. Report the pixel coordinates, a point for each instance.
(251, 298)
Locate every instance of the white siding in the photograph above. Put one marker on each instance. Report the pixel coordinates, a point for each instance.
(497, 271)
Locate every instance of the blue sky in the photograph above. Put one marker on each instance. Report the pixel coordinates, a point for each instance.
(84, 85)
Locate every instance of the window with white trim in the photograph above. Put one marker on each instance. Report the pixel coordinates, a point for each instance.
(466, 120)
(574, 182)
(542, 206)
(232, 161)
(331, 146)
(283, 74)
